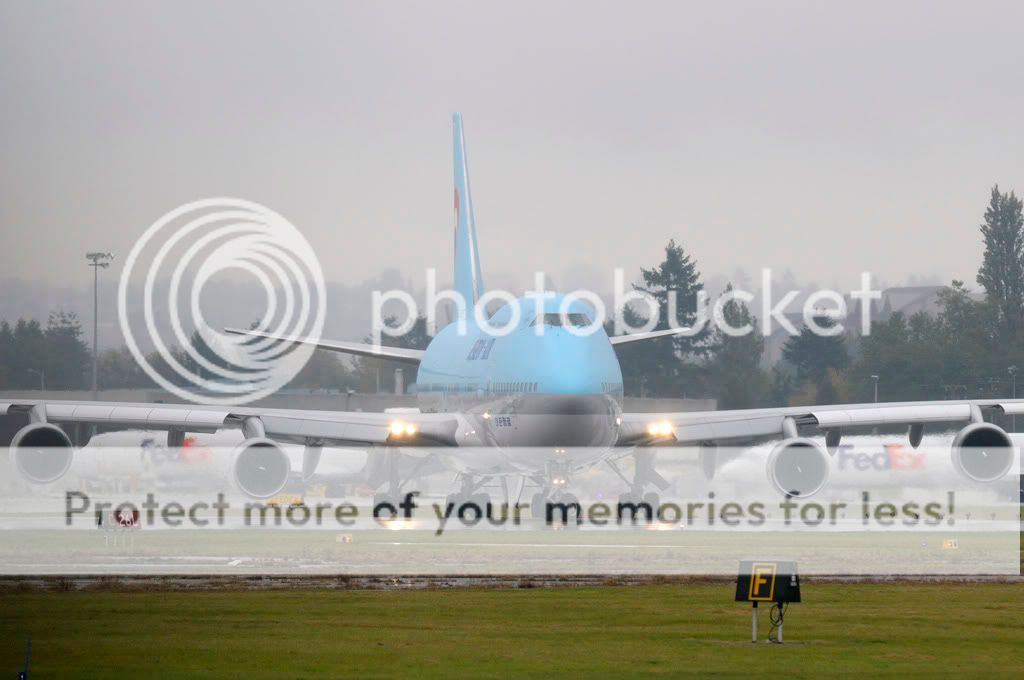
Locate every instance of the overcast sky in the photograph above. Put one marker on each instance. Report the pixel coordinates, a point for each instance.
(821, 138)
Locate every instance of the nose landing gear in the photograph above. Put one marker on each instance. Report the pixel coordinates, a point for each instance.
(554, 503)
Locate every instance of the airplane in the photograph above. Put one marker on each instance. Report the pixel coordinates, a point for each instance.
(201, 462)
(867, 461)
(537, 407)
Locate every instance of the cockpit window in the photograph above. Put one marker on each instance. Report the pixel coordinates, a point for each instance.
(576, 319)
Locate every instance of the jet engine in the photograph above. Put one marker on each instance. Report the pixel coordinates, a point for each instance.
(982, 452)
(260, 467)
(798, 467)
(41, 452)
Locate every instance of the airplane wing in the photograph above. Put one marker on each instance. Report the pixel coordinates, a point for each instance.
(760, 424)
(284, 425)
(411, 356)
(650, 335)
(42, 450)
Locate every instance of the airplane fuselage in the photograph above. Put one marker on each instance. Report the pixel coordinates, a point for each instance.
(547, 389)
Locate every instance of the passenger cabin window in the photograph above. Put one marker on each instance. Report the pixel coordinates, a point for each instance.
(576, 319)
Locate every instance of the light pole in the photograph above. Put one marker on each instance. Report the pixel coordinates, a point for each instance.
(1012, 370)
(96, 260)
(42, 377)
(875, 378)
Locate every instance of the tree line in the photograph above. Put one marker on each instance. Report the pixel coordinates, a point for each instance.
(56, 357)
(970, 349)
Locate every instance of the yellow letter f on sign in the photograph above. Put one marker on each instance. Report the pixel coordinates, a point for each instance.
(762, 581)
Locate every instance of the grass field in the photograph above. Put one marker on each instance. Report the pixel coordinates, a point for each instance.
(890, 629)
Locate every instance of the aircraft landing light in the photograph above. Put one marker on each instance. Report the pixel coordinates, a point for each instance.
(400, 524)
(400, 429)
(661, 428)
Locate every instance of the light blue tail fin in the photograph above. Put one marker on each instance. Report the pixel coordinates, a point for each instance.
(468, 279)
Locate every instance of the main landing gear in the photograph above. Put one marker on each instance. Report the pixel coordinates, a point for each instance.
(392, 494)
(470, 493)
(644, 474)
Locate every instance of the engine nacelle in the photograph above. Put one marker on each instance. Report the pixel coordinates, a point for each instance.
(982, 452)
(260, 467)
(798, 467)
(41, 452)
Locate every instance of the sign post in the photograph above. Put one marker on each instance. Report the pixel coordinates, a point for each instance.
(774, 581)
(23, 675)
(120, 524)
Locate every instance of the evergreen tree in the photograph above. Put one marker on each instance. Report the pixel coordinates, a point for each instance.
(28, 351)
(658, 367)
(677, 276)
(118, 370)
(783, 383)
(1002, 267)
(971, 352)
(897, 355)
(735, 374)
(6, 350)
(638, 360)
(67, 356)
(812, 354)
